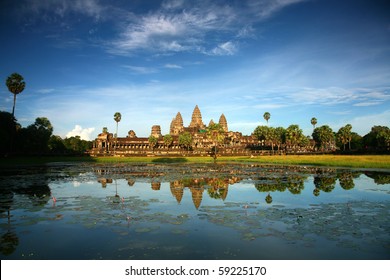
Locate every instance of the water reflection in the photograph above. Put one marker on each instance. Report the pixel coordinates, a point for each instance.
(266, 179)
(34, 188)
(299, 207)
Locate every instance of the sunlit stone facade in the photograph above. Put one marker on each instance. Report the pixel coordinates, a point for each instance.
(234, 142)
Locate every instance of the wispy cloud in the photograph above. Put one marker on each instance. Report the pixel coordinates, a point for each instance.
(172, 31)
(227, 48)
(174, 26)
(49, 9)
(45, 90)
(180, 26)
(141, 69)
(173, 66)
(337, 95)
(266, 8)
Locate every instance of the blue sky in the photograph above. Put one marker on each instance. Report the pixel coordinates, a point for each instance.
(84, 60)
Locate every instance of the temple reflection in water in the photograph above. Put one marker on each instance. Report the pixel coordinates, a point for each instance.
(269, 181)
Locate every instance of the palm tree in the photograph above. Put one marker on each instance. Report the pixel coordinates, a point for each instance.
(313, 122)
(152, 142)
(15, 83)
(117, 119)
(185, 139)
(294, 134)
(267, 116)
(168, 139)
(216, 134)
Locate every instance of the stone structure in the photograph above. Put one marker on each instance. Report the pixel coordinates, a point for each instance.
(177, 126)
(234, 142)
(196, 120)
(223, 122)
(156, 131)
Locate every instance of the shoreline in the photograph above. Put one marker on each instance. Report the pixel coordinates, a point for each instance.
(343, 161)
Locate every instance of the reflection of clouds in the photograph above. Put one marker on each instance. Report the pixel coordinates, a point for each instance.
(76, 184)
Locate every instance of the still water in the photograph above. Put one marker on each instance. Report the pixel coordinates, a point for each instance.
(193, 211)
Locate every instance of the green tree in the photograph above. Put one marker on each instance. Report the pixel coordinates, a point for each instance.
(280, 136)
(117, 119)
(8, 128)
(294, 135)
(344, 135)
(76, 145)
(152, 142)
(324, 137)
(56, 145)
(378, 138)
(37, 135)
(267, 116)
(15, 84)
(168, 140)
(216, 134)
(185, 140)
(313, 122)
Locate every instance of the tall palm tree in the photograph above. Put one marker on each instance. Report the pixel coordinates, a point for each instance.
(15, 83)
(117, 119)
(168, 140)
(216, 134)
(313, 122)
(267, 116)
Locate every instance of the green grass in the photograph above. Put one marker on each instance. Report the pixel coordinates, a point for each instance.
(353, 161)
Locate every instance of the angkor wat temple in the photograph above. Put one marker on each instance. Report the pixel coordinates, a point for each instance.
(234, 142)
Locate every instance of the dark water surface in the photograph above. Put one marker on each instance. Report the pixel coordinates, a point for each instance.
(193, 211)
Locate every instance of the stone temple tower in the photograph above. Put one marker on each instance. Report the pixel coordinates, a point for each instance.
(176, 125)
(156, 131)
(196, 120)
(223, 122)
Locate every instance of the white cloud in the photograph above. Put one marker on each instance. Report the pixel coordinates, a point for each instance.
(47, 9)
(227, 48)
(168, 30)
(266, 8)
(141, 69)
(45, 90)
(172, 4)
(84, 133)
(172, 66)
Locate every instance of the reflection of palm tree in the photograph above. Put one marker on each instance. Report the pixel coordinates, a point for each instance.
(346, 180)
(268, 199)
(9, 240)
(219, 193)
(325, 181)
(116, 197)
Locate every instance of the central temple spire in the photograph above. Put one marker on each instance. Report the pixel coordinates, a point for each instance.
(196, 120)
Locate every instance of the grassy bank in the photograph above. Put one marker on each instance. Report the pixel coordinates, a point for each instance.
(358, 161)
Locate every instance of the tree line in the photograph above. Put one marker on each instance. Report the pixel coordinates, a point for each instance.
(323, 138)
(36, 139)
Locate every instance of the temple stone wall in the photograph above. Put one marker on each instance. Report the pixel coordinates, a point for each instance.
(234, 142)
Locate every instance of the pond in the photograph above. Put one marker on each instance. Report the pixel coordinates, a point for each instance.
(92, 211)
